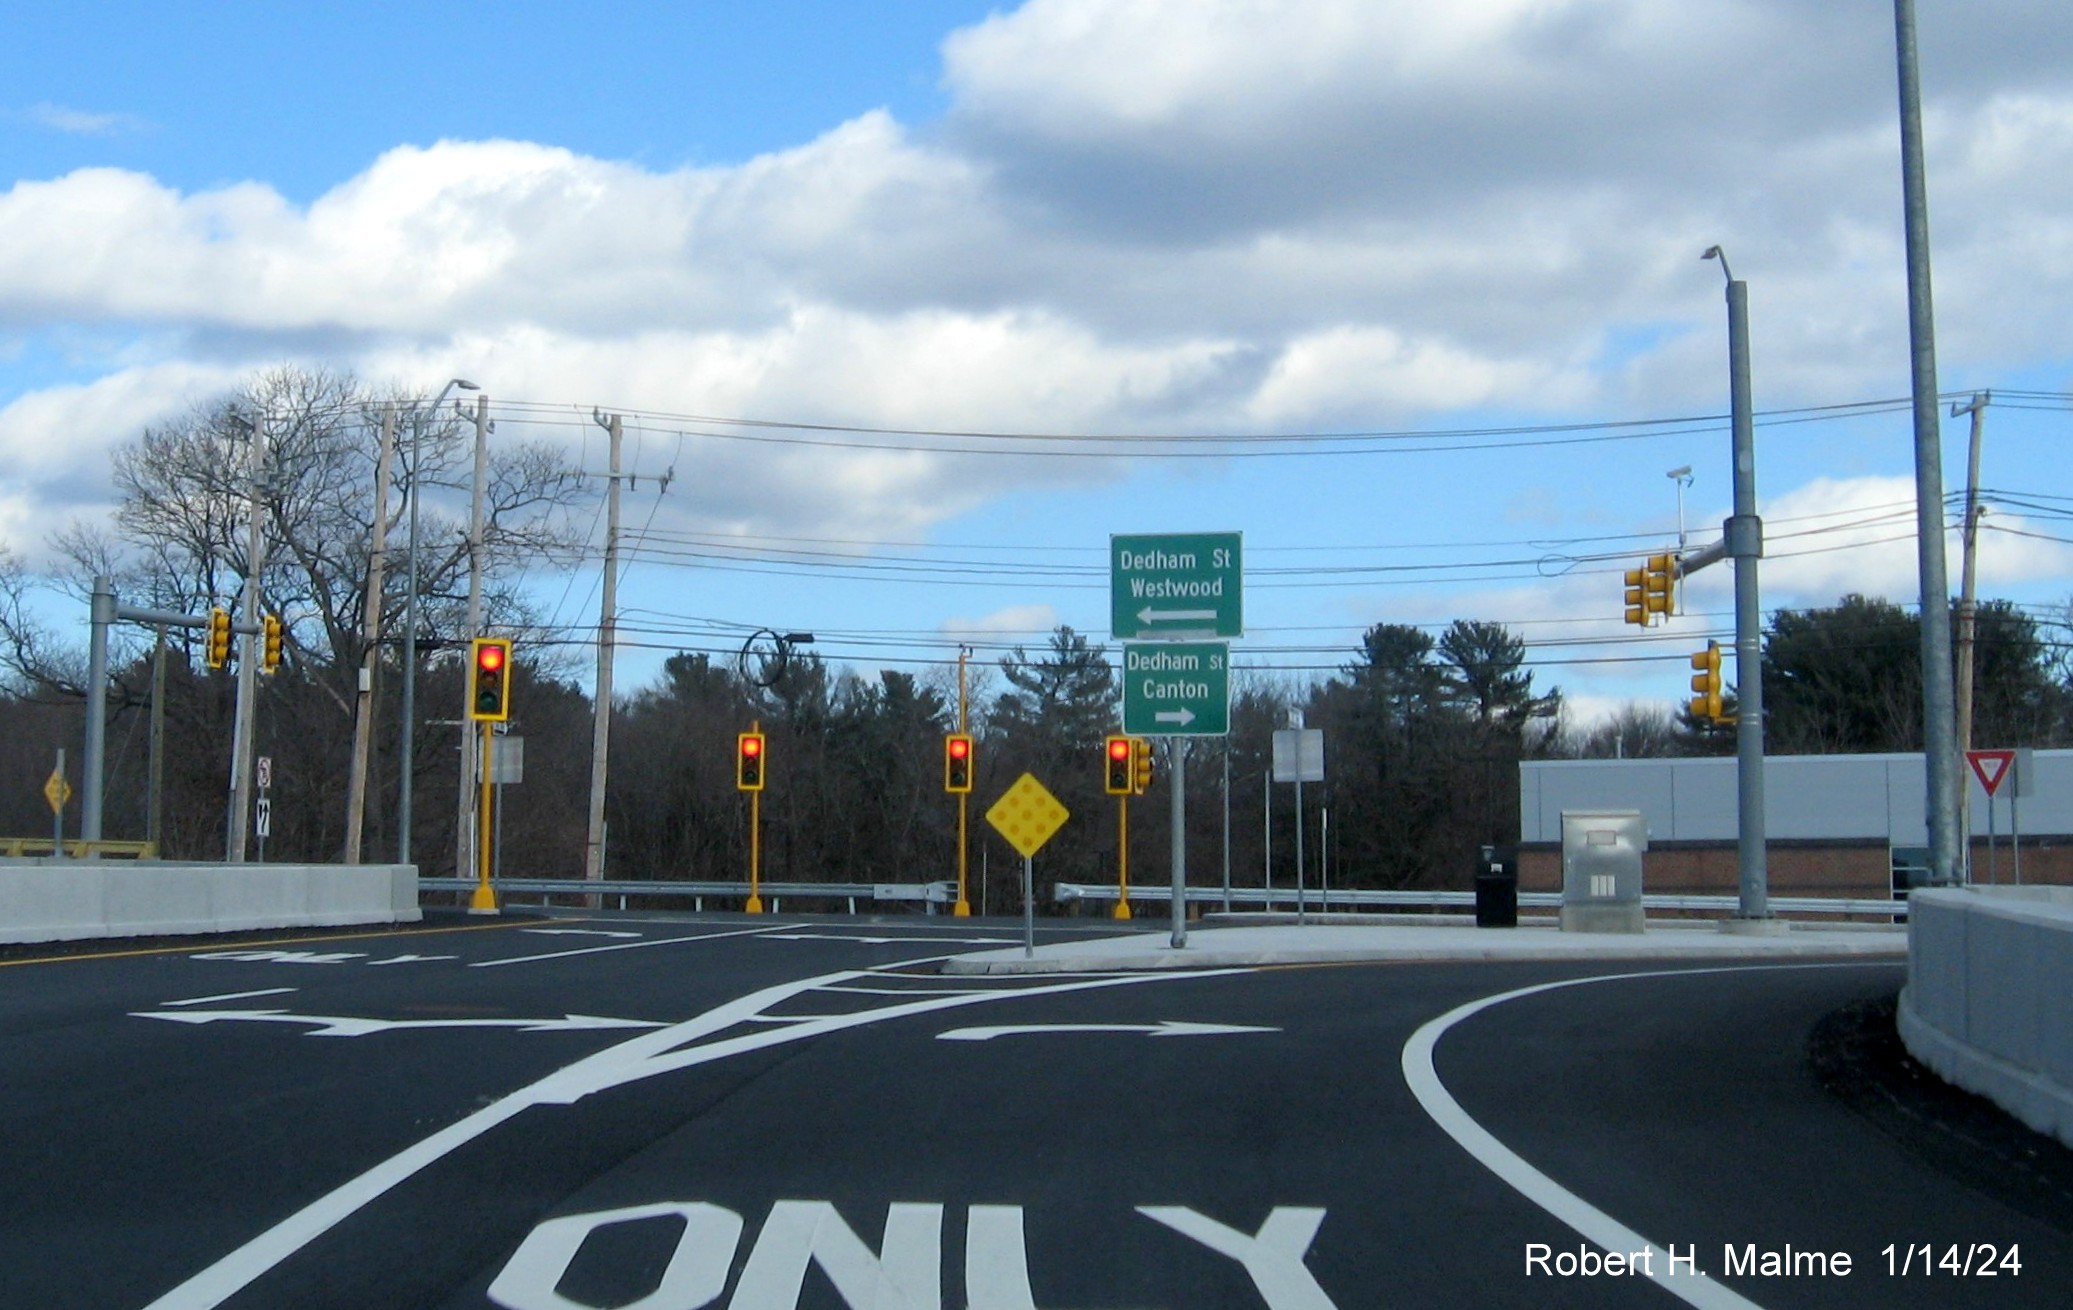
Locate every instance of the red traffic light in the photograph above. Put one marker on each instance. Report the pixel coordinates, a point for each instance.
(1119, 748)
(959, 748)
(752, 746)
(489, 658)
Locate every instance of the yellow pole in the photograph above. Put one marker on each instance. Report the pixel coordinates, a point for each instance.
(1122, 857)
(755, 905)
(963, 909)
(485, 899)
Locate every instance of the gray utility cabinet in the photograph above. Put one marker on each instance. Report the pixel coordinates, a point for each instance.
(1601, 870)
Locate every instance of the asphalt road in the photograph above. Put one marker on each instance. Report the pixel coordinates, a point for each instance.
(803, 1113)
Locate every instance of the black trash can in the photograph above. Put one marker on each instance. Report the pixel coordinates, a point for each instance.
(1497, 888)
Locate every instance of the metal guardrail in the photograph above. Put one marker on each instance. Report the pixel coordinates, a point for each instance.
(928, 894)
(1346, 899)
(16, 848)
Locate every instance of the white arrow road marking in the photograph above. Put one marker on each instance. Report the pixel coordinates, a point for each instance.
(331, 1025)
(1182, 716)
(1167, 1028)
(1150, 615)
(578, 932)
(636, 1058)
(885, 941)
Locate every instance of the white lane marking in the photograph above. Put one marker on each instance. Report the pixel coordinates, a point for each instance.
(629, 1061)
(232, 996)
(1164, 1028)
(410, 959)
(888, 941)
(624, 946)
(330, 1025)
(1693, 1288)
(281, 957)
(579, 932)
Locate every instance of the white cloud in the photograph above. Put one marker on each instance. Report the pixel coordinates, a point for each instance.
(82, 122)
(1016, 623)
(1147, 215)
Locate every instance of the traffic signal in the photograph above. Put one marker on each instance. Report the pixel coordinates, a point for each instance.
(1656, 585)
(1650, 590)
(270, 634)
(1119, 766)
(490, 701)
(1140, 765)
(216, 652)
(748, 761)
(1705, 701)
(957, 762)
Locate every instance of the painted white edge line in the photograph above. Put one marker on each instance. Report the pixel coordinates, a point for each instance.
(1598, 1227)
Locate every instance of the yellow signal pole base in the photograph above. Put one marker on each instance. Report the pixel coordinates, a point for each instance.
(753, 906)
(1122, 910)
(962, 910)
(484, 901)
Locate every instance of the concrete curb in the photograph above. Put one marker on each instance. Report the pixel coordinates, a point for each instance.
(1230, 947)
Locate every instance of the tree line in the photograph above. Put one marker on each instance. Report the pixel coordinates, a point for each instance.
(1424, 730)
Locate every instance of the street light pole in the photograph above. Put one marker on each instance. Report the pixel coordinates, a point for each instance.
(417, 433)
(1744, 535)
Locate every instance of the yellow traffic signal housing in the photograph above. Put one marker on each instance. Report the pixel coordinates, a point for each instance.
(489, 699)
(957, 763)
(1118, 766)
(1657, 582)
(1141, 765)
(1637, 607)
(216, 649)
(748, 761)
(1706, 687)
(270, 650)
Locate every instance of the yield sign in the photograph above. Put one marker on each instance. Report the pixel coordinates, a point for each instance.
(1990, 767)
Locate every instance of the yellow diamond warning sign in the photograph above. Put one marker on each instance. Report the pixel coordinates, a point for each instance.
(1028, 815)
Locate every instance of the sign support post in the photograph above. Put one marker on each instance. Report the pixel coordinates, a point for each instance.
(1177, 766)
(484, 901)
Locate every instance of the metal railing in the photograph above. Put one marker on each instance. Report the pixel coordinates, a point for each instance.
(15, 848)
(1359, 899)
(928, 894)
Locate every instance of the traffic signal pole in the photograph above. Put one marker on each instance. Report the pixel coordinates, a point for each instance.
(1744, 536)
(248, 687)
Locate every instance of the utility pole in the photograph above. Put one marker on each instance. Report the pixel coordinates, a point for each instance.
(1968, 605)
(248, 682)
(363, 709)
(465, 827)
(1939, 729)
(607, 636)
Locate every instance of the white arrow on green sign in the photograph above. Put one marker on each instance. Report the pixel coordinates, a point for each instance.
(1176, 585)
(1177, 689)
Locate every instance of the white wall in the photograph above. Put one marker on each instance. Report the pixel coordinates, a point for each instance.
(61, 900)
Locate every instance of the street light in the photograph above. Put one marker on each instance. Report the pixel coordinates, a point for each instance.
(417, 432)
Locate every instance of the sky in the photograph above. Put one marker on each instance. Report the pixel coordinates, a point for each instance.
(921, 302)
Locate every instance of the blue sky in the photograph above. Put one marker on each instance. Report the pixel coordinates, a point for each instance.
(1069, 217)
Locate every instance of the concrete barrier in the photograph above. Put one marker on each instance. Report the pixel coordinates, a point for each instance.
(64, 900)
(1989, 998)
